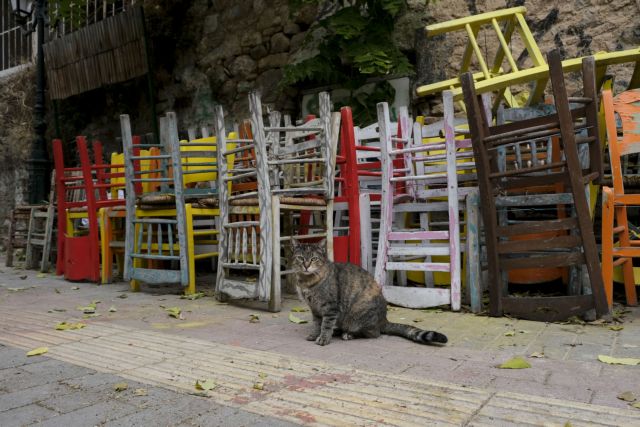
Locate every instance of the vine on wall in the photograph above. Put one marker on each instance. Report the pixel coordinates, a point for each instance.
(351, 43)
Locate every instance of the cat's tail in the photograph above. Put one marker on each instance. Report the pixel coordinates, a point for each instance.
(414, 334)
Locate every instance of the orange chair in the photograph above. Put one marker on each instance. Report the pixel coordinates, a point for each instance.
(617, 246)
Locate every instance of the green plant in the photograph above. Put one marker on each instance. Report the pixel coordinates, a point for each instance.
(353, 42)
(79, 13)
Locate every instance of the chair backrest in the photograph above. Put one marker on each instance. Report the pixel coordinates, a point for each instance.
(623, 140)
(505, 29)
(311, 144)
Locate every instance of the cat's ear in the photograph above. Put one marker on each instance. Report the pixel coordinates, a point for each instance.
(322, 244)
(295, 244)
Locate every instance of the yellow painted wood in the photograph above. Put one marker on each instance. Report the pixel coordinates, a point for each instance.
(529, 41)
(504, 48)
(474, 44)
(483, 18)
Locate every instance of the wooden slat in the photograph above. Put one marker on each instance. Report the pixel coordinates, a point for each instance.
(556, 260)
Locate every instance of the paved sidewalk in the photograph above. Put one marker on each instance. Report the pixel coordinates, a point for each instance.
(363, 382)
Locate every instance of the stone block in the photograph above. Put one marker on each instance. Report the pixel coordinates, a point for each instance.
(278, 60)
(291, 28)
(242, 66)
(210, 24)
(258, 52)
(296, 41)
(97, 414)
(279, 43)
(26, 415)
(13, 358)
(27, 396)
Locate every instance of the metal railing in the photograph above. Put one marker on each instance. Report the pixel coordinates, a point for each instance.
(16, 47)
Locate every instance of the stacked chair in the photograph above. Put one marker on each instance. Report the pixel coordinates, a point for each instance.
(506, 193)
(171, 208)
(294, 168)
(618, 247)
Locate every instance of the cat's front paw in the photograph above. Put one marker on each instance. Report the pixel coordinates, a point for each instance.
(323, 340)
(312, 337)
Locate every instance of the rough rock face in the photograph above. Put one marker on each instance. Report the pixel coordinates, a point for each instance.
(208, 52)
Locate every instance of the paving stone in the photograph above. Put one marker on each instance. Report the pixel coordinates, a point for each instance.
(75, 400)
(91, 415)
(513, 385)
(54, 368)
(25, 415)
(91, 380)
(180, 409)
(14, 379)
(225, 416)
(31, 395)
(13, 358)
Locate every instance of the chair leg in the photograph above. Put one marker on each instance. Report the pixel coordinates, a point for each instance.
(473, 270)
(607, 243)
(366, 236)
(135, 262)
(10, 239)
(106, 255)
(276, 280)
(191, 253)
(28, 262)
(48, 232)
(627, 268)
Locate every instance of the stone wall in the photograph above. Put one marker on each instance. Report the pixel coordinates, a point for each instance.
(207, 52)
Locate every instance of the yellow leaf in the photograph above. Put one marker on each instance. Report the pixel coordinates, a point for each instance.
(254, 318)
(38, 351)
(299, 309)
(112, 309)
(75, 288)
(205, 385)
(41, 275)
(296, 319)
(262, 375)
(627, 396)
(636, 405)
(536, 354)
(140, 392)
(509, 333)
(515, 363)
(616, 328)
(174, 312)
(64, 326)
(197, 295)
(121, 387)
(258, 385)
(618, 360)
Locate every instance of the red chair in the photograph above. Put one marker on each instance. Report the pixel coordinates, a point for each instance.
(82, 192)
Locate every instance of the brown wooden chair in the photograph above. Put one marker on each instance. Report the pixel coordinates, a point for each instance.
(508, 193)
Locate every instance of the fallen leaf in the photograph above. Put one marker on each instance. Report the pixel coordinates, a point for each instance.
(87, 309)
(299, 309)
(112, 309)
(23, 277)
(598, 322)
(515, 363)
(191, 297)
(123, 296)
(75, 288)
(636, 405)
(262, 375)
(418, 320)
(616, 328)
(523, 332)
(568, 424)
(627, 396)
(41, 275)
(38, 351)
(64, 326)
(205, 385)
(618, 360)
(95, 302)
(254, 318)
(174, 312)
(536, 354)
(16, 289)
(140, 392)
(275, 316)
(120, 387)
(258, 385)
(296, 319)
(56, 290)
(61, 310)
(90, 315)
(509, 333)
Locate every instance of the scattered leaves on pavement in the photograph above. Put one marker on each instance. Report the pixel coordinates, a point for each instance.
(515, 363)
(299, 309)
(120, 387)
(618, 360)
(616, 328)
(205, 385)
(254, 318)
(38, 351)
(627, 396)
(64, 326)
(293, 318)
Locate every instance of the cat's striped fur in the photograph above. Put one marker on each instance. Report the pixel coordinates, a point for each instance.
(345, 300)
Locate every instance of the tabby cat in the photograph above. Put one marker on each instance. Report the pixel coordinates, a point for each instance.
(345, 300)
